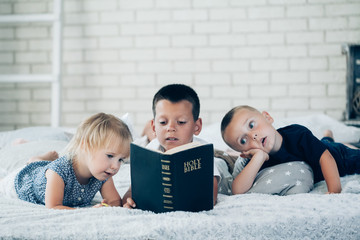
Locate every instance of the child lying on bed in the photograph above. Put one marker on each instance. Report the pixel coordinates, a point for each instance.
(91, 158)
(247, 130)
(176, 120)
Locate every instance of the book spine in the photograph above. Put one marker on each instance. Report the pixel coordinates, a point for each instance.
(167, 185)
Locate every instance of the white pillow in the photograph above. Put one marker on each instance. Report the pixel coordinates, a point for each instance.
(13, 157)
(33, 134)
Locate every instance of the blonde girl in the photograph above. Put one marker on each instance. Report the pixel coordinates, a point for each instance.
(91, 158)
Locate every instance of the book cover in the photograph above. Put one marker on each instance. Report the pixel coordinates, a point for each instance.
(180, 179)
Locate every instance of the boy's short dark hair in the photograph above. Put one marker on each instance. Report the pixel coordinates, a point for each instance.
(176, 93)
(230, 114)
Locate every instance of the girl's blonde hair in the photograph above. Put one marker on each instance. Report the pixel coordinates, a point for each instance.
(96, 132)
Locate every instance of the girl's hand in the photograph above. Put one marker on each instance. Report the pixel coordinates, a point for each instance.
(130, 204)
(255, 154)
(102, 204)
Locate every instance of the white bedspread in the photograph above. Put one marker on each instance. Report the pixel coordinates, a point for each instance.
(313, 215)
(249, 216)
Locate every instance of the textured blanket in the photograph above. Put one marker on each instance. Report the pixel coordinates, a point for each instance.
(250, 216)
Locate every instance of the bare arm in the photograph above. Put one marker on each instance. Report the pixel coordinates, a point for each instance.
(54, 193)
(215, 189)
(110, 194)
(128, 202)
(244, 181)
(330, 172)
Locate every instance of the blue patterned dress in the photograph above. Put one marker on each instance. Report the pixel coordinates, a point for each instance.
(30, 183)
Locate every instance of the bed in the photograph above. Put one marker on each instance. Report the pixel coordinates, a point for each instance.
(312, 215)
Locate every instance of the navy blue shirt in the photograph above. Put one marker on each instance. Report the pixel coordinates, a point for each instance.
(299, 144)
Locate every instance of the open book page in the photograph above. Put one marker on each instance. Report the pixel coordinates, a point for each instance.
(183, 147)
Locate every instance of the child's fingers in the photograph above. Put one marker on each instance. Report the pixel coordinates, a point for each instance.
(129, 203)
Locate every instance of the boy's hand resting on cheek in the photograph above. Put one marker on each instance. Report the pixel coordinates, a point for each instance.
(255, 154)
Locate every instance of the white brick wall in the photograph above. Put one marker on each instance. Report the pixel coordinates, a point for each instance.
(280, 56)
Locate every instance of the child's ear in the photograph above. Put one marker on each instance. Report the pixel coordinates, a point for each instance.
(153, 126)
(267, 117)
(198, 126)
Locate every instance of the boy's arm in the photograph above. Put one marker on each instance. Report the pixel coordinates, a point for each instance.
(215, 189)
(128, 202)
(330, 172)
(244, 181)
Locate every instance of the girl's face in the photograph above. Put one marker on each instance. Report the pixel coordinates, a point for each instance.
(105, 162)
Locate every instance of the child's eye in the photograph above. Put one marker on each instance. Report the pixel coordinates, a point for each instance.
(251, 124)
(181, 122)
(121, 160)
(109, 155)
(243, 141)
(162, 122)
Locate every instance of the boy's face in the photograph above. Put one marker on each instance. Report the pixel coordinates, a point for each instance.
(174, 123)
(251, 130)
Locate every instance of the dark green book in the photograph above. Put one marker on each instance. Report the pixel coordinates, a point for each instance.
(180, 179)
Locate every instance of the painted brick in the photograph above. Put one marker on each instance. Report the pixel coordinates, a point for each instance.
(139, 54)
(189, 40)
(211, 53)
(212, 27)
(118, 68)
(269, 64)
(228, 40)
(117, 16)
(192, 66)
(81, 18)
(268, 91)
(288, 25)
(305, 37)
(212, 79)
(342, 9)
(153, 16)
(6, 58)
(82, 68)
(101, 30)
(250, 26)
(173, 53)
(33, 106)
(288, 51)
(31, 57)
(184, 78)
(94, 5)
(116, 42)
(31, 32)
(30, 7)
(250, 52)
(266, 12)
(265, 39)
(290, 103)
(101, 81)
(253, 78)
(305, 11)
(328, 23)
(138, 80)
(290, 77)
(190, 15)
(327, 77)
(227, 14)
(102, 55)
(118, 93)
(137, 29)
(7, 33)
(173, 3)
(308, 63)
(173, 28)
(152, 41)
(307, 90)
(230, 66)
